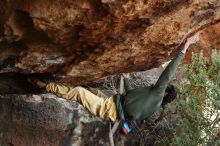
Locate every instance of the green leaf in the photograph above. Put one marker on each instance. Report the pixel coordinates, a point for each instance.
(217, 104)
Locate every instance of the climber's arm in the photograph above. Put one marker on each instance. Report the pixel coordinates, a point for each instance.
(168, 73)
(127, 83)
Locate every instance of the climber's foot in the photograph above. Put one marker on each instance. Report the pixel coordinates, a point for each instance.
(37, 83)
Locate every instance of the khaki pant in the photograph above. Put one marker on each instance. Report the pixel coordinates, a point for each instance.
(95, 101)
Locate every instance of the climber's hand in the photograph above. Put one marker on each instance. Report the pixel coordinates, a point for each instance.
(126, 75)
(193, 39)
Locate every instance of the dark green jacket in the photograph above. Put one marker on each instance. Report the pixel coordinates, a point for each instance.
(141, 103)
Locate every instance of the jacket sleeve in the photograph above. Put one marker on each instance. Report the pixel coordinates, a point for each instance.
(127, 85)
(168, 73)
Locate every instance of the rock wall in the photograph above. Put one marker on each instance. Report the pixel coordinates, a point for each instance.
(83, 40)
(45, 120)
(209, 40)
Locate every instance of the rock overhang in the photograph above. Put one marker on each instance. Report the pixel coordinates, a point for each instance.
(81, 41)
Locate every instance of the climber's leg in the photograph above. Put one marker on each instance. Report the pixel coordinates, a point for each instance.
(98, 92)
(104, 108)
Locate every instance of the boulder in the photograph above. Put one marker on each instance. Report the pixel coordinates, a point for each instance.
(79, 41)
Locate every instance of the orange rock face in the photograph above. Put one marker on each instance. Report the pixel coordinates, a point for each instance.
(83, 40)
(209, 39)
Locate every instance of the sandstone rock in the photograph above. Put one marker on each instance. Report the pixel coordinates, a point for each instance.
(83, 40)
(209, 39)
(45, 120)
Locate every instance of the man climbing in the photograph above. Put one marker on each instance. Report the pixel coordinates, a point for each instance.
(135, 104)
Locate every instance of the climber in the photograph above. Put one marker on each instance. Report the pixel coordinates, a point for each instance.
(139, 103)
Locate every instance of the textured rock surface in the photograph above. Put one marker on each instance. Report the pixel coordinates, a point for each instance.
(209, 39)
(84, 40)
(44, 120)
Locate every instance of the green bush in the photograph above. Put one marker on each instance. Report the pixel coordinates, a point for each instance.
(196, 121)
